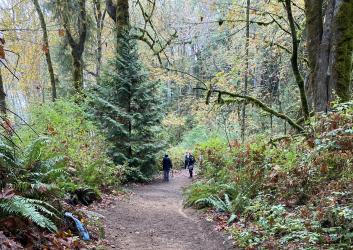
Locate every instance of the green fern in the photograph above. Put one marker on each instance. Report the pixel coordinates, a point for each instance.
(8, 163)
(224, 206)
(217, 203)
(43, 170)
(33, 152)
(46, 172)
(227, 202)
(30, 209)
(35, 189)
(7, 156)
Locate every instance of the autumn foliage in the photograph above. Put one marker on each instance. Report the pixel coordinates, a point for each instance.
(291, 194)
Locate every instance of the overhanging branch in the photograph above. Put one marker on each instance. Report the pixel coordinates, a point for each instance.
(254, 101)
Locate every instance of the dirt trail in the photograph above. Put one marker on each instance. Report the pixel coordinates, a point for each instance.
(153, 218)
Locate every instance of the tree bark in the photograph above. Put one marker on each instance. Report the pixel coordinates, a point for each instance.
(314, 27)
(77, 47)
(99, 16)
(46, 49)
(243, 122)
(343, 50)
(119, 12)
(294, 60)
(334, 64)
(77, 72)
(2, 96)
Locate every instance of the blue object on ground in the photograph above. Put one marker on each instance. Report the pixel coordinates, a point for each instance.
(80, 227)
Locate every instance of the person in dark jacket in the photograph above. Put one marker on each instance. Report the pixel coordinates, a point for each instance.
(189, 163)
(167, 165)
(186, 161)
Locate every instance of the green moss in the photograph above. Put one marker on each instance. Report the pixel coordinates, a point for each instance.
(344, 47)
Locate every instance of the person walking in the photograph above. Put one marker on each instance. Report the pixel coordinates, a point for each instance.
(167, 166)
(186, 161)
(189, 163)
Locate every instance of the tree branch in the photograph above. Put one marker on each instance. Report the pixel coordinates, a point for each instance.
(254, 101)
(185, 73)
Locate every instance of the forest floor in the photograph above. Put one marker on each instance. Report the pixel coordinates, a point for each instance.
(153, 217)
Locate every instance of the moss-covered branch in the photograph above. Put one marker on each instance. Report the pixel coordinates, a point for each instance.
(254, 101)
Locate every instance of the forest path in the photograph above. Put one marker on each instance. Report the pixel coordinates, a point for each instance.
(153, 218)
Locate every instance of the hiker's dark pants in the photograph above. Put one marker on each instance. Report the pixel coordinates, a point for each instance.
(166, 175)
(191, 169)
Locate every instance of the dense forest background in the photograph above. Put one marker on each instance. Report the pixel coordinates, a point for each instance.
(94, 93)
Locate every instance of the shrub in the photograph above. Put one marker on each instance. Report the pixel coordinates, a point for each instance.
(73, 137)
(293, 193)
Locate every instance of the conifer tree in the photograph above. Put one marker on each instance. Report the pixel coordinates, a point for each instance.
(128, 108)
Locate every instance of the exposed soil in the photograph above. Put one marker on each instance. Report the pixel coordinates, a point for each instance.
(153, 217)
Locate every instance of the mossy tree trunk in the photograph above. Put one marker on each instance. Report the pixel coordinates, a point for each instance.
(99, 17)
(343, 51)
(77, 44)
(119, 12)
(294, 60)
(46, 49)
(314, 27)
(246, 77)
(77, 71)
(333, 63)
(2, 96)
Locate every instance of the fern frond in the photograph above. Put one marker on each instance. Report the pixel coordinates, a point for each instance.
(30, 209)
(217, 203)
(38, 186)
(7, 160)
(33, 152)
(54, 173)
(228, 203)
(52, 162)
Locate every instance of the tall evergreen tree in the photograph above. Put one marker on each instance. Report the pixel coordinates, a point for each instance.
(128, 108)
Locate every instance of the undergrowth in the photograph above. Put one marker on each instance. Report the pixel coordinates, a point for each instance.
(74, 138)
(58, 156)
(293, 193)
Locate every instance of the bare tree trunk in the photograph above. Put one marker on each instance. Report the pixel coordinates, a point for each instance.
(294, 60)
(2, 96)
(243, 123)
(46, 49)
